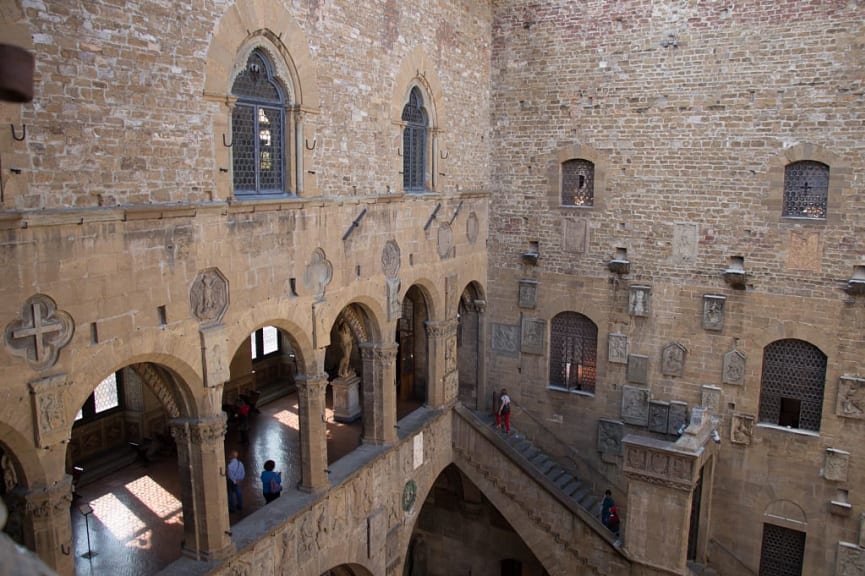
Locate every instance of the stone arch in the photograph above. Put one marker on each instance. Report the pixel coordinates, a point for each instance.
(471, 386)
(285, 315)
(786, 513)
(433, 295)
(839, 173)
(775, 330)
(577, 151)
(27, 464)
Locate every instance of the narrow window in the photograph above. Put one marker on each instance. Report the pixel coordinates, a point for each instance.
(573, 352)
(806, 190)
(264, 342)
(414, 143)
(258, 130)
(578, 183)
(782, 552)
(106, 398)
(791, 387)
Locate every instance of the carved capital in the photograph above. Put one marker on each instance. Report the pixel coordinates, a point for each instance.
(200, 432)
(49, 503)
(310, 386)
(381, 354)
(440, 329)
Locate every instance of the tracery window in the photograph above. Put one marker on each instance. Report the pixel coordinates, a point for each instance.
(573, 352)
(806, 190)
(258, 130)
(791, 387)
(105, 398)
(414, 142)
(578, 183)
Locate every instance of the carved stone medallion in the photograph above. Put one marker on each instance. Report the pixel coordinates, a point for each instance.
(610, 433)
(390, 259)
(638, 369)
(659, 416)
(40, 333)
(318, 273)
(835, 465)
(712, 399)
(208, 295)
(528, 293)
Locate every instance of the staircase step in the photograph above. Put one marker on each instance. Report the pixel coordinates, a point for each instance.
(564, 480)
(540, 459)
(590, 503)
(573, 488)
(555, 473)
(547, 466)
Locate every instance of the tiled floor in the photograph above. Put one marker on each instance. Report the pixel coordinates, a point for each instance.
(136, 524)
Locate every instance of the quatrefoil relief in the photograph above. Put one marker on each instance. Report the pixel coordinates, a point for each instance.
(40, 333)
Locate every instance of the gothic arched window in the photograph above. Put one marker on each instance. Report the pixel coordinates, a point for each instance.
(573, 352)
(791, 387)
(414, 142)
(258, 130)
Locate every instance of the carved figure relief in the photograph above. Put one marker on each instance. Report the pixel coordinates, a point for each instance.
(451, 353)
(505, 339)
(445, 240)
(10, 475)
(208, 295)
(528, 293)
(49, 409)
(684, 243)
(741, 428)
(673, 359)
(851, 560)
(318, 273)
(835, 465)
(394, 305)
(638, 369)
(532, 336)
(713, 312)
(851, 397)
(635, 405)
(473, 227)
(638, 301)
(40, 333)
(617, 348)
(734, 368)
(712, 399)
(390, 259)
(610, 434)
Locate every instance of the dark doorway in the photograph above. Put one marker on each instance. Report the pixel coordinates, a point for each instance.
(694, 530)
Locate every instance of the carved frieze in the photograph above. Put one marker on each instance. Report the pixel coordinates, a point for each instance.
(713, 312)
(617, 348)
(734, 368)
(40, 333)
(48, 397)
(528, 296)
(851, 397)
(505, 339)
(741, 428)
(655, 465)
(532, 335)
(208, 295)
(50, 503)
(635, 405)
(673, 359)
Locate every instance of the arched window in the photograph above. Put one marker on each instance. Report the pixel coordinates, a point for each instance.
(578, 183)
(258, 130)
(806, 190)
(573, 352)
(414, 141)
(791, 387)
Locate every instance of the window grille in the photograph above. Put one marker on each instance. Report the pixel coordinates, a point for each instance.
(782, 552)
(263, 342)
(806, 190)
(105, 395)
(258, 130)
(791, 388)
(578, 183)
(573, 352)
(414, 142)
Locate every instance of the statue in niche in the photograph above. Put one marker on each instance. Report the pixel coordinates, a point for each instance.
(345, 343)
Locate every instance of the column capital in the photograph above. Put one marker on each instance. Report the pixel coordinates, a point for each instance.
(201, 431)
(441, 328)
(47, 503)
(384, 354)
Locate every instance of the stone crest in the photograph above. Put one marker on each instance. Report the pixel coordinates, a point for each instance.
(445, 241)
(49, 410)
(318, 273)
(741, 428)
(713, 312)
(638, 369)
(851, 397)
(610, 434)
(505, 339)
(617, 348)
(673, 359)
(734, 368)
(390, 259)
(40, 333)
(532, 335)
(639, 301)
(528, 293)
(208, 295)
(635, 405)
(472, 228)
(835, 465)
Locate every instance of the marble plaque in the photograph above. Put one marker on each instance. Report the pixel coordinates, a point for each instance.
(673, 359)
(713, 312)
(617, 348)
(575, 236)
(677, 416)
(835, 465)
(741, 428)
(712, 399)
(528, 293)
(639, 301)
(532, 335)
(684, 243)
(610, 434)
(659, 416)
(804, 251)
(851, 397)
(505, 339)
(635, 405)
(638, 369)
(734, 368)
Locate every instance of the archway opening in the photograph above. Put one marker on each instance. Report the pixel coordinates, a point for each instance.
(469, 357)
(412, 361)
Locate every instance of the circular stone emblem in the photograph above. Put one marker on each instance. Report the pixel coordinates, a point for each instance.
(409, 493)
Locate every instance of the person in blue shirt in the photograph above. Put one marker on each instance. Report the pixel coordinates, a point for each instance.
(271, 482)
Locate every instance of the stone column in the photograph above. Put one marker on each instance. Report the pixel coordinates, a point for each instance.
(48, 523)
(379, 393)
(313, 432)
(443, 370)
(201, 465)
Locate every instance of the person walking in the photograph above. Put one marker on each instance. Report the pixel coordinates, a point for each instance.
(606, 504)
(236, 474)
(503, 414)
(271, 482)
(243, 420)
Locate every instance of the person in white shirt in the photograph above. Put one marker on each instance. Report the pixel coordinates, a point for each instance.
(236, 474)
(504, 412)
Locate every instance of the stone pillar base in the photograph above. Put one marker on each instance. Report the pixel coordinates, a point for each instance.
(346, 399)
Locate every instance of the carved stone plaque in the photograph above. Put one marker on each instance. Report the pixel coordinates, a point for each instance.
(684, 243)
(850, 561)
(639, 301)
(505, 339)
(610, 433)
(532, 335)
(835, 465)
(635, 405)
(40, 333)
(673, 359)
(528, 293)
(638, 369)
(450, 353)
(452, 298)
(320, 325)
(318, 273)
(215, 358)
(659, 416)
(803, 251)
(741, 428)
(48, 396)
(394, 305)
(472, 228)
(617, 348)
(677, 417)
(851, 397)
(574, 236)
(390, 259)
(734, 368)
(713, 312)
(445, 241)
(712, 399)
(208, 295)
